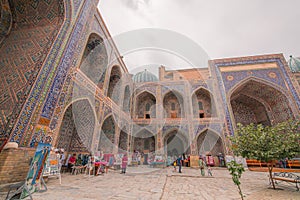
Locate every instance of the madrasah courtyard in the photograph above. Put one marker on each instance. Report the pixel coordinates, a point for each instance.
(65, 83)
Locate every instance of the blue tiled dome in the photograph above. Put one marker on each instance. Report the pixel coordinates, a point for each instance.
(294, 64)
(144, 76)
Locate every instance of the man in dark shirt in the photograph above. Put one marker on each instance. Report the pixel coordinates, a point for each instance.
(179, 163)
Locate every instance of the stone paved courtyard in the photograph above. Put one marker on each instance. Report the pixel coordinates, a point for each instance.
(149, 183)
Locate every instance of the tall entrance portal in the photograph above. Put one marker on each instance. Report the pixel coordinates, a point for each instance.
(259, 103)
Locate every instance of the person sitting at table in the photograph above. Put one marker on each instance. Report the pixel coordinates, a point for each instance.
(79, 160)
(72, 161)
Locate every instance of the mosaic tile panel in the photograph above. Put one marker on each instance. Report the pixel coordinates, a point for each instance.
(197, 85)
(5, 19)
(24, 51)
(76, 5)
(262, 74)
(66, 131)
(275, 101)
(38, 136)
(246, 61)
(242, 113)
(65, 63)
(145, 87)
(144, 144)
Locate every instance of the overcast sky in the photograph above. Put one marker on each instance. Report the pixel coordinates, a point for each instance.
(222, 28)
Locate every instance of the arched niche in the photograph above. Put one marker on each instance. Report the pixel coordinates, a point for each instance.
(258, 102)
(173, 105)
(107, 135)
(203, 104)
(114, 86)
(77, 127)
(175, 143)
(123, 142)
(144, 142)
(145, 105)
(209, 142)
(95, 60)
(127, 97)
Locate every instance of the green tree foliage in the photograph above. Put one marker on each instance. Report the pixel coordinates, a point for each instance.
(267, 143)
(236, 171)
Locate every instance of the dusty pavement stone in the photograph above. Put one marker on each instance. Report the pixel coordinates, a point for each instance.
(148, 183)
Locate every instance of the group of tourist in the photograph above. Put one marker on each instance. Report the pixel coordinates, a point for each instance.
(202, 165)
(180, 161)
(102, 162)
(185, 160)
(140, 158)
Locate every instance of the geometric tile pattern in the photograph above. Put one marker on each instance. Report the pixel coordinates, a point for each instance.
(276, 102)
(5, 19)
(35, 25)
(279, 77)
(67, 61)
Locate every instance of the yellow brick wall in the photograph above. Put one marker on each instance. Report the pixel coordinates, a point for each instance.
(14, 164)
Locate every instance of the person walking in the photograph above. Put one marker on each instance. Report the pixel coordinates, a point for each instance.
(124, 163)
(209, 173)
(179, 159)
(202, 166)
(174, 164)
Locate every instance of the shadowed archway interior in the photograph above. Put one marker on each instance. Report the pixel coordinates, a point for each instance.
(208, 142)
(107, 135)
(77, 128)
(259, 103)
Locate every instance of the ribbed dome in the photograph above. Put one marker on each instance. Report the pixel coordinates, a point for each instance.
(294, 64)
(144, 76)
